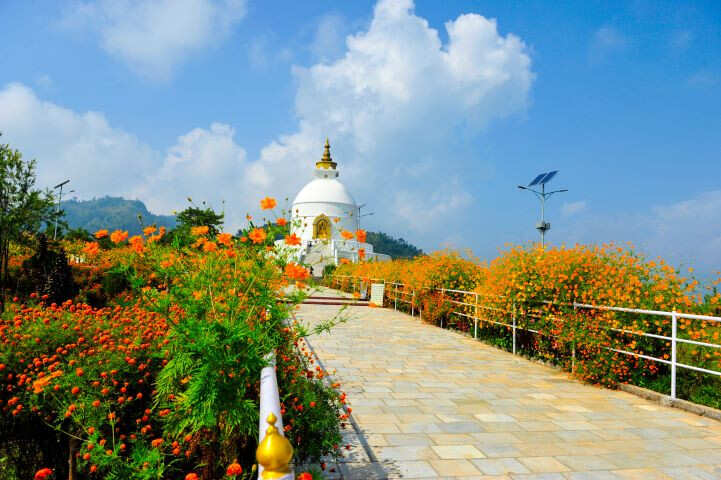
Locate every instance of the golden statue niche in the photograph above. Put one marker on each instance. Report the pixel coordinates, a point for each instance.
(321, 228)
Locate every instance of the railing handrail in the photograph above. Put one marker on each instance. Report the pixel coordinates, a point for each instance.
(674, 339)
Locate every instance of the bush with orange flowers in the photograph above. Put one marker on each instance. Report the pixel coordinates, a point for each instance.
(538, 286)
(162, 377)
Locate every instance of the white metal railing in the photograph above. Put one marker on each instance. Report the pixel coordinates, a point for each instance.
(674, 339)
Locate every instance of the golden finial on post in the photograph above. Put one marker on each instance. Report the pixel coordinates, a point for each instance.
(326, 161)
(274, 452)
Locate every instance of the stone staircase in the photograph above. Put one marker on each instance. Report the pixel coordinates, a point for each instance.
(318, 257)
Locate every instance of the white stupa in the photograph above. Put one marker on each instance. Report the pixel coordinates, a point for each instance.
(321, 211)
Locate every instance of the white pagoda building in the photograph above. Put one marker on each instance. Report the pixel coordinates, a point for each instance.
(320, 212)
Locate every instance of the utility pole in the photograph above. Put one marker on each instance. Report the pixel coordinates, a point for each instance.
(57, 211)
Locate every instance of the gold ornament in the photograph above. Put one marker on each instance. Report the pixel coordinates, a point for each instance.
(274, 452)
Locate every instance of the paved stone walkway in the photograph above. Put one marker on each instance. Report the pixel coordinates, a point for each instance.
(431, 403)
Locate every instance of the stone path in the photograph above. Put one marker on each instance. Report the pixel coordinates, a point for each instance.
(431, 403)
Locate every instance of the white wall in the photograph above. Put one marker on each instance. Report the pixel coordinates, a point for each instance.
(304, 214)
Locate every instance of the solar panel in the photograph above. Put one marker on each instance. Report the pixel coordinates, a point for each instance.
(548, 177)
(537, 179)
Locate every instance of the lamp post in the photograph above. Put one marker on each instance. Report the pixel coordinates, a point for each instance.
(60, 199)
(543, 226)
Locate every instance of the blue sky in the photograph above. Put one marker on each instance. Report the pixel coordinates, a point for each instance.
(435, 111)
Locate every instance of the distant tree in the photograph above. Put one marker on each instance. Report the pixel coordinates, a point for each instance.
(76, 234)
(395, 247)
(23, 208)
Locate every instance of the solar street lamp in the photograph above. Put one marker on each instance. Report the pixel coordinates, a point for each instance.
(542, 179)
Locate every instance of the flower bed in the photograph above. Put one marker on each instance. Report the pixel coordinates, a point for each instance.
(163, 381)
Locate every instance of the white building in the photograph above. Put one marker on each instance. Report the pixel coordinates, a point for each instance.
(321, 211)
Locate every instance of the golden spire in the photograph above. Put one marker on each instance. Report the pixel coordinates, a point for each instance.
(274, 452)
(326, 161)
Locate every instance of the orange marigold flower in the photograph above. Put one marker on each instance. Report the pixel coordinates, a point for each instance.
(91, 248)
(157, 442)
(344, 261)
(257, 235)
(292, 239)
(210, 246)
(118, 236)
(136, 242)
(336, 219)
(360, 235)
(347, 235)
(282, 221)
(296, 272)
(101, 234)
(191, 476)
(234, 469)
(43, 474)
(268, 203)
(225, 239)
(197, 231)
(148, 231)
(243, 239)
(361, 253)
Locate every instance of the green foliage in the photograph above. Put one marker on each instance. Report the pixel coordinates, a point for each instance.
(201, 217)
(23, 208)
(47, 272)
(112, 213)
(395, 247)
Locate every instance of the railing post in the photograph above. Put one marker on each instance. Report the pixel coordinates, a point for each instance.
(513, 314)
(673, 354)
(475, 319)
(573, 345)
(271, 421)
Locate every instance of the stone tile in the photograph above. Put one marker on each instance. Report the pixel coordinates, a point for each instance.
(543, 464)
(494, 417)
(408, 439)
(454, 468)
(586, 462)
(408, 453)
(499, 466)
(415, 469)
(366, 471)
(452, 438)
(449, 452)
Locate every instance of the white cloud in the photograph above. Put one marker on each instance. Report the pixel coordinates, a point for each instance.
(393, 105)
(686, 232)
(98, 158)
(573, 208)
(206, 165)
(396, 100)
(153, 36)
(328, 42)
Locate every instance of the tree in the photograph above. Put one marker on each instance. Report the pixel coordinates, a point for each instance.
(201, 217)
(23, 208)
(194, 216)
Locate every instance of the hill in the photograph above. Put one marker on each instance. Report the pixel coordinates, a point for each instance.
(395, 247)
(112, 213)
